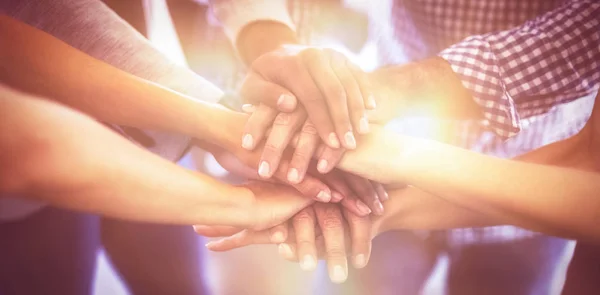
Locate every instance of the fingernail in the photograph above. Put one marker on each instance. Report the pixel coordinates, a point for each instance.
(360, 261)
(350, 140)
(338, 275)
(384, 196)
(285, 250)
(363, 125)
(277, 237)
(248, 108)
(263, 169)
(293, 175)
(324, 196)
(371, 104)
(286, 102)
(362, 207)
(333, 141)
(336, 197)
(211, 244)
(322, 166)
(247, 141)
(308, 263)
(378, 207)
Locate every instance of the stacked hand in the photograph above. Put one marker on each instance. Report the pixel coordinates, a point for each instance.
(304, 104)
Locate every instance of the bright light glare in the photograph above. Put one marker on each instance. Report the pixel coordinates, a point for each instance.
(161, 31)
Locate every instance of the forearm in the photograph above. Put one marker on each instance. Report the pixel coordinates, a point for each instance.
(412, 208)
(89, 168)
(98, 89)
(530, 192)
(95, 29)
(255, 27)
(261, 37)
(509, 92)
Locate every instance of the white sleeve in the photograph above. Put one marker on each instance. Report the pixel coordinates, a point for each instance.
(235, 14)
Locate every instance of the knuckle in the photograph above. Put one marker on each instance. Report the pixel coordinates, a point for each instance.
(272, 148)
(355, 220)
(303, 217)
(301, 155)
(310, 129)
(305, 242)
(283, 119)
(335, 251)
(312, 96)
(332, 222)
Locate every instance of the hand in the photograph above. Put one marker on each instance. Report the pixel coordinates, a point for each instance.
(333, 91)
(306, 144)
(273, 204)
(320, 231)
(358, 195)
(283, 133)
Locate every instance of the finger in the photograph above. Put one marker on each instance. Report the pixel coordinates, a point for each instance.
(335, 96)
(284, 128)
(213, 231)
(356, 105)
(381, 192)
(329, 158)
(248, 108)
(256, 127)
(336, 182)
(255, 90)
(241, 239)
(364, 84)
(278, 233)
(307, 144)
(364, 190)
(288, 251)
(336, 197)
(360, 233)
(304, 227)
(331, 222)
(310, 186)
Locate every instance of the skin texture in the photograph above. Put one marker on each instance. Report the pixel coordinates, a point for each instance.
(130, 183)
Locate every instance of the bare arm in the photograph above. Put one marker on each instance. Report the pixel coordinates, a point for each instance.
(98, 89)
(551, 199)
(61, 156)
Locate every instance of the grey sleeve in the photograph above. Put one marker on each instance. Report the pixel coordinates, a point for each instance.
(92, 27)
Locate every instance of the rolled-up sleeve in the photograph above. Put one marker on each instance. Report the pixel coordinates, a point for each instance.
(235, 14)
(527, 70)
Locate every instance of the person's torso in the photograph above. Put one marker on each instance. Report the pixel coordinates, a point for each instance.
(414, 29)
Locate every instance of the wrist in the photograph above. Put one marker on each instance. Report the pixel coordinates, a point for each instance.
(220, 126)
(260, 37)
(230, 208)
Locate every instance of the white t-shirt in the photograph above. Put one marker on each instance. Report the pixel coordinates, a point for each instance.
(92, 27)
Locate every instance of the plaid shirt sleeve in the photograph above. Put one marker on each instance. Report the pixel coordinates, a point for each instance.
(235, 14)
(525, 71)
